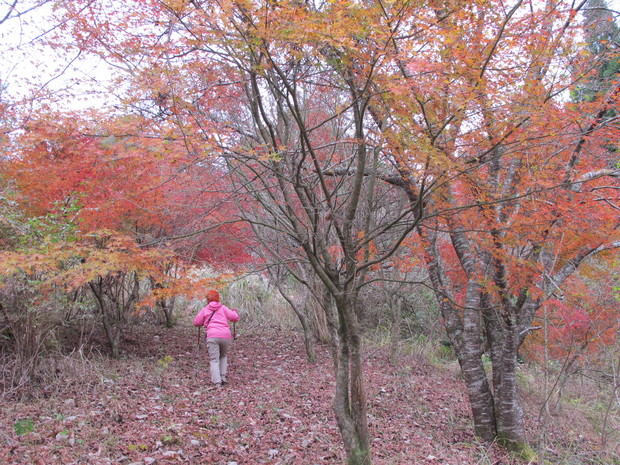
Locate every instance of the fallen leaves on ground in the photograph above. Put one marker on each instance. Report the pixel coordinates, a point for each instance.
(156, 406)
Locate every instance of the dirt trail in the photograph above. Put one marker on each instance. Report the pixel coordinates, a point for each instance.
(155, 407)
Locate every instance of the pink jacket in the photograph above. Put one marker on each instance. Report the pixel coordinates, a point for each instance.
(218, 326)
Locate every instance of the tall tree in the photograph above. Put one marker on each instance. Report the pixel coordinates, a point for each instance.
(509, 147)
(292, 124)
(462, 106)
(602, 41)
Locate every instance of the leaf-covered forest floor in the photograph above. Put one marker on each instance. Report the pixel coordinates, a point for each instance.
(155, 406)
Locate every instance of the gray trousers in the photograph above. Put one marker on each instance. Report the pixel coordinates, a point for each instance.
(218, 358)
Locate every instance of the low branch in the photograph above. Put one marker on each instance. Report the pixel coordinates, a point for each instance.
(611, 172)
(573, 264)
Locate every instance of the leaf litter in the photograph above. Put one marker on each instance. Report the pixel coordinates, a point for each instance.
(276, 410)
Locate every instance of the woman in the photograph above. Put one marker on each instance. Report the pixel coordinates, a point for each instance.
(215, 317)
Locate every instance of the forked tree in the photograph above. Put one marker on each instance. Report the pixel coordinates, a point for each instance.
(525, 184)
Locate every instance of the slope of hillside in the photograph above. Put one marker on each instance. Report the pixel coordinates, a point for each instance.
(155, 406)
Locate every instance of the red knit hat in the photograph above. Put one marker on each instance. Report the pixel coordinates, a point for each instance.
(212, 295)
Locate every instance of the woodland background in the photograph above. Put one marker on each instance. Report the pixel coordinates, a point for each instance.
(414, 205)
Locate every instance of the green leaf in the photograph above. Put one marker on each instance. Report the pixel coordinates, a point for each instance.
(24, 426)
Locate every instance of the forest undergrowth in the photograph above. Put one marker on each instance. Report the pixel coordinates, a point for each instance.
(155, 406)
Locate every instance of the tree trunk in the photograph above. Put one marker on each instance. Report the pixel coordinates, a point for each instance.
(478, 390)
(112, 331)
(510, 423)
(113, 334)
(115, 296)
(350, 397)
(165, 311)
(494, 337)
(308, 337)
(465, 333)
(303, 320)
(505, 338)
(321, 319)
(332, 326)
(164, 306)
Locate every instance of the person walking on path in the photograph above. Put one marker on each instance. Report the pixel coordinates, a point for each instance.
(215, 317)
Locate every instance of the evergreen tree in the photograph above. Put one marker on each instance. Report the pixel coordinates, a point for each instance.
(602, 39)
(603, 42)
